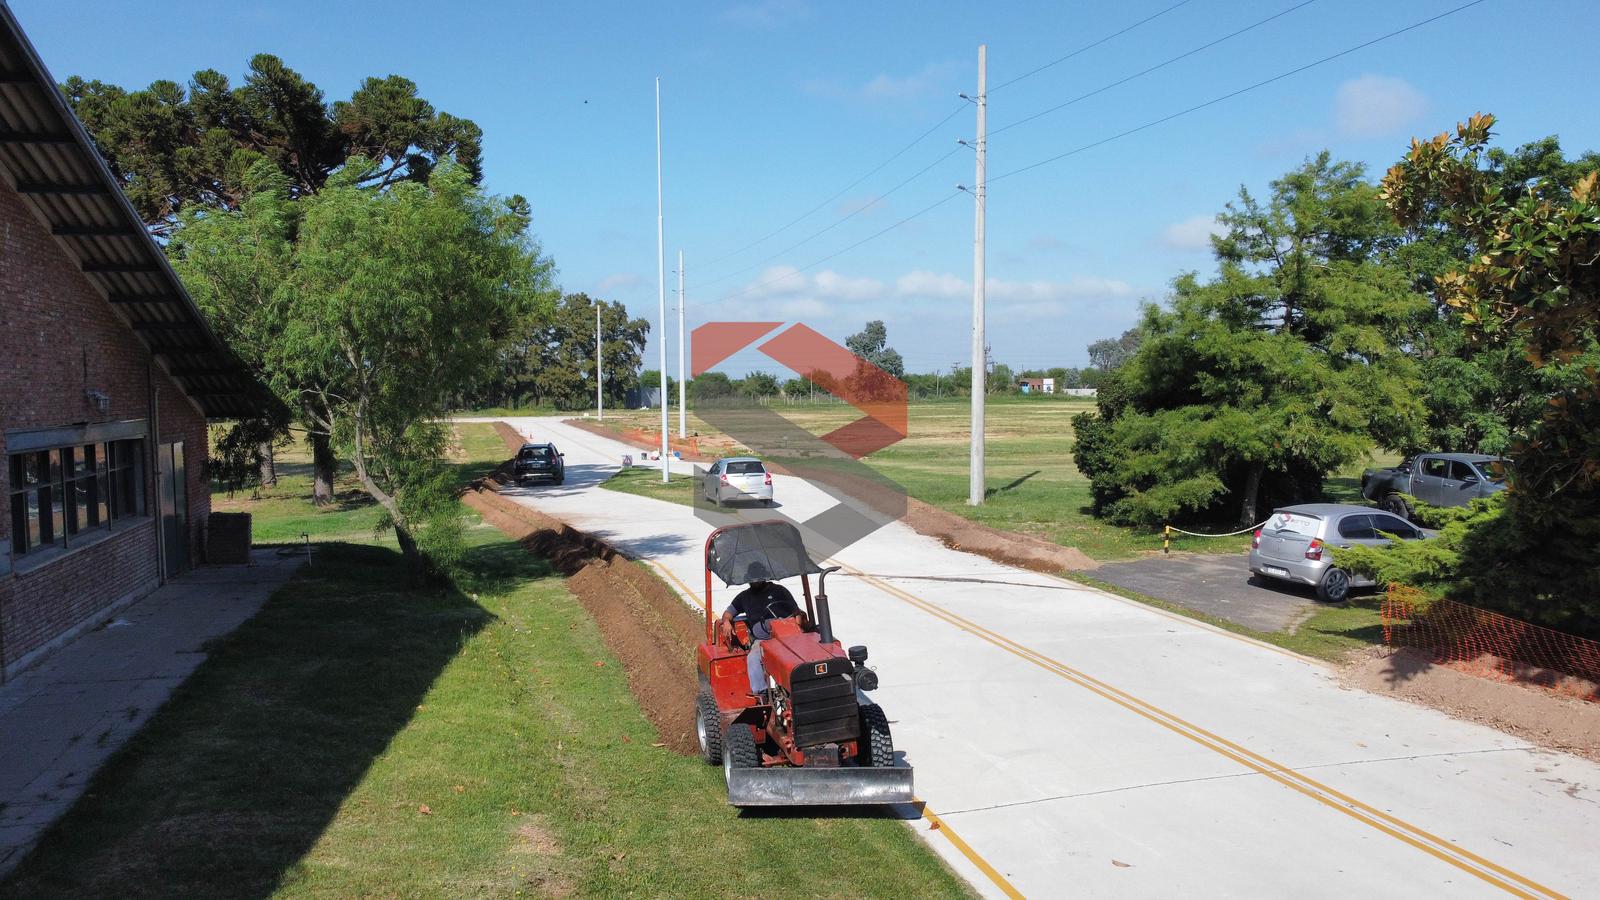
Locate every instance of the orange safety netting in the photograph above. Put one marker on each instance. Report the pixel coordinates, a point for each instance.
(1491, 645)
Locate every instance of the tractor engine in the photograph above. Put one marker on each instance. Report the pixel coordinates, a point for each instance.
(814, 694)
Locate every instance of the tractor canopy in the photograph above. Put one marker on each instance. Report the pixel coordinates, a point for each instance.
(760, 551)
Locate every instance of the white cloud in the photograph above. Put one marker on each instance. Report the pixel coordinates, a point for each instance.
(1377, 105)
(883, 87)
(1191, 234)
(621, 281)
(932, 284)
(767, 13)
(784, 293)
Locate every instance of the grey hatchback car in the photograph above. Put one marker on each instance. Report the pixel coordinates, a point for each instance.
(1292, 545)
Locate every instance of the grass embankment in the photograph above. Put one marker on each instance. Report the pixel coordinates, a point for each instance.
(367, 736)
(1034, 488)
(647, 483)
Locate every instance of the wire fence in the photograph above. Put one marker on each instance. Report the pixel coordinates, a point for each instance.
(1491, 645)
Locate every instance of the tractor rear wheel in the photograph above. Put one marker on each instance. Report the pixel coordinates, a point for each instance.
(739, 749)
(708, 727)
(876, 747)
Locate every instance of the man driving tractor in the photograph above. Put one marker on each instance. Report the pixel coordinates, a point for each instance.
(759, 603)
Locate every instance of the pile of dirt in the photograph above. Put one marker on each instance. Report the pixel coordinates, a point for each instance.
(1021, 550)
(695, 449)
(643, 623)
(1533, 714)
(513, 438)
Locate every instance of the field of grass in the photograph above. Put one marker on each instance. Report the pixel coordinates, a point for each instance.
(1032, 485)
(647, 483)
(367, 736)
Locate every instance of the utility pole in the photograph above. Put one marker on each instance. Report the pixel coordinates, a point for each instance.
(661, 295)
(683, 408)
(975, 485)
(599, 372)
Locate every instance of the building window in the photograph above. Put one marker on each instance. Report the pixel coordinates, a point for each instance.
(69, 493)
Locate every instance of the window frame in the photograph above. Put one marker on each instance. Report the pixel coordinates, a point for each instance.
(74, 489)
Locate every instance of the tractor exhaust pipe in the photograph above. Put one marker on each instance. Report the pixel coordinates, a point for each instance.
(824, 617)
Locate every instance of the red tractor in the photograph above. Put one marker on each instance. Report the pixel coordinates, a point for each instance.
(812, 737)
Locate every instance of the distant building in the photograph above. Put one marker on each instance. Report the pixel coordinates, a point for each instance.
(110, 374)
(1037, 385)
(1080, 392)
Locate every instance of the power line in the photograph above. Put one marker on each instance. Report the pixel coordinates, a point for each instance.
(1160, 65)
(1228, 96)
(875, 170)
(852, 214)
(1087, 47)
(920, 138)
(874, 236)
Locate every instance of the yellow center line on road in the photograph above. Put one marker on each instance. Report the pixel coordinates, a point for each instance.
(1440, 848)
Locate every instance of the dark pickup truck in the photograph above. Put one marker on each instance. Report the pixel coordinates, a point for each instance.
(540, 461)
(1438, 479)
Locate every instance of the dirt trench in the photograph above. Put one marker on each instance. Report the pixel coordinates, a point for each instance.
(642, 621)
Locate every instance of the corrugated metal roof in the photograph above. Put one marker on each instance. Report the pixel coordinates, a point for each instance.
(49, 159)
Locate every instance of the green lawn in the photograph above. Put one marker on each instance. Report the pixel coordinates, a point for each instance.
(364, 736)
(647, 483)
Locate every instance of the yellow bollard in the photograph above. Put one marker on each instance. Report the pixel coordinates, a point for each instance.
(1166, 539)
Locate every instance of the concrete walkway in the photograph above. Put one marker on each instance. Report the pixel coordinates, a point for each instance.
(61, 720)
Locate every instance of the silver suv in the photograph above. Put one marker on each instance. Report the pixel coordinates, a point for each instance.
(1292, 545)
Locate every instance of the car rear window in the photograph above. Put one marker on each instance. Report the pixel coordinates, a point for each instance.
(1356, 528)
(1298, 523)
(535, 453)
(1395, 526)
(745, 467)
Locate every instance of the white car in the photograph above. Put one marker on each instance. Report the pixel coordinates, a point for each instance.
(738, 478)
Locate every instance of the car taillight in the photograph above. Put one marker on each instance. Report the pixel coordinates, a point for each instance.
(1315, 550)
(1255, 542)
(724, 479)
(769, 479)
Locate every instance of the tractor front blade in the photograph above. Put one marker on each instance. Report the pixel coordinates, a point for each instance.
(846, 786)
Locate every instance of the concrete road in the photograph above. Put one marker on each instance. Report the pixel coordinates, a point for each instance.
(1073, 743)
(1220, 585)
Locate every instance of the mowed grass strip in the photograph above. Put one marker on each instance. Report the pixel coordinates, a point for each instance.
(364, 736)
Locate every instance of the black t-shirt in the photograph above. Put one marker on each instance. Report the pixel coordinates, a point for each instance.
(760, 602)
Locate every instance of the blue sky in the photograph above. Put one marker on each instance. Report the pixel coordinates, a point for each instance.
(773, 106)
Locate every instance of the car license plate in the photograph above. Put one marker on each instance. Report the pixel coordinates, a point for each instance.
(1275, 571)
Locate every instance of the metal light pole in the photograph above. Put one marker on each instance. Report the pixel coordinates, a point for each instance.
(975, 486)
(683, 338)
(661, 295)
(599, 372)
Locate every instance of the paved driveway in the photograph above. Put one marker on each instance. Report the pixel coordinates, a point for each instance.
(1219, 585)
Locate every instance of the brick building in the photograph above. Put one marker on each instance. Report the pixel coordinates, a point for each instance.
(108, 375)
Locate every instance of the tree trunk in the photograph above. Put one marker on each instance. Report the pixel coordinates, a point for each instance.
(269, 466)
(322, 469)
(1252, 487)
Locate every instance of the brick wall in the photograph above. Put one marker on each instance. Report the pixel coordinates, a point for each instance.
(58, 339)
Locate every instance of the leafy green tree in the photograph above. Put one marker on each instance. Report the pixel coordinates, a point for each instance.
(1108, 354)
(370, 317)
(1248, 389)
(872, 344)
(176, 147)
(711, 386)
(554, 363)
(1530, 284)
(758, 384)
